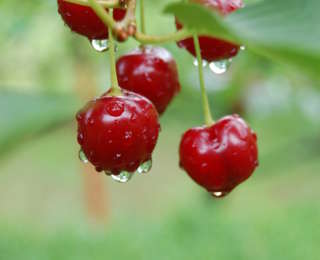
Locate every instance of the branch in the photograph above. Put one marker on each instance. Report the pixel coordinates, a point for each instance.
(173, 37)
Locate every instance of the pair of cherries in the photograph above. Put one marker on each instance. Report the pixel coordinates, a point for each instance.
(118, 134)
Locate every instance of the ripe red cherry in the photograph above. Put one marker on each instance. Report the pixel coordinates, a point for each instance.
(151, 72)
(118, 133)
(221, 156)
(213, 49)
(83, 20)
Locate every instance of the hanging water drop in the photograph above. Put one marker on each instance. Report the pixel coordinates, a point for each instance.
(145, 167)
(219, 194)
(116, 48)
(204, 63)
(83, 158)
(100, 45)
(242, 48)
(123, 177)
(221, 66)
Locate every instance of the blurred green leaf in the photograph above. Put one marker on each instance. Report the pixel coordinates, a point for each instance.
(23, 116)
(287, 31)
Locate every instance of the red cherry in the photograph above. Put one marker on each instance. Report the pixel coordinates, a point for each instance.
(151, 72)
(83, 20)
(213, 49)
(221, 156)
(118, 133)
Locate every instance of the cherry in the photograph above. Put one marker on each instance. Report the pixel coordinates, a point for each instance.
(221, 156)
(151, 72)
(213, 49)
(83, 20)
(118, 133)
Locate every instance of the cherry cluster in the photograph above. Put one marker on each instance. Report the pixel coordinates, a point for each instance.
(118, 131)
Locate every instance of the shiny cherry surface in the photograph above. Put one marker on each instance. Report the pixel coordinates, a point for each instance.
(213, 49)
(151, 72)
(118, 133)
(221, 156)
(83, 20)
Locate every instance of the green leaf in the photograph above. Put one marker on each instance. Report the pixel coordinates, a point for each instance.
(23, 116)
(287, 31)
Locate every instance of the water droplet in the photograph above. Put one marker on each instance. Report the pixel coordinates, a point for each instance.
(80, 138)
(116, 48)
(91, 121)
(128, 135)
(242, 48)
(145, 167)
(100, 45)
(118, 155)
(219, 194)
(83, 158)
(115, 108)
(123, 177)
(220, 67)
(204, 63)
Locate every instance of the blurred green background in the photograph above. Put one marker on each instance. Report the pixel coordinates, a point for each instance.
(45, 208)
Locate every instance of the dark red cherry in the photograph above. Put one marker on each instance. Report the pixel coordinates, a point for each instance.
(118, 133)
(221, 156)
(82, 20)
(151, 72)
(213, 49)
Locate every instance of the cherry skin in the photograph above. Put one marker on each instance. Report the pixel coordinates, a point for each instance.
(213, 49)
(151, 72)
(221, 156)
(118, 133)
(83, 20)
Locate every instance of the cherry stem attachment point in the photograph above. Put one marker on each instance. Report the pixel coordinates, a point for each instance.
(206, 107)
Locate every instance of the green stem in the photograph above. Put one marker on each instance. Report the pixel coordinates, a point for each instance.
(206, 107)
(173, 37)
(142, 17)
(102, 14)
(115, 89)
(108, 20)
(104, 3)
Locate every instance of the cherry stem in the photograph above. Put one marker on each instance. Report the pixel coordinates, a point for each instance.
(141, 37)
(102, 14)
(104, 3)
(142, 17)
(172, 37)
(206, 107)
(115, 89)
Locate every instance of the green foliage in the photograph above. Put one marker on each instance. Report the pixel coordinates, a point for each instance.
(165, 216)
(24, 115)
(286, 31)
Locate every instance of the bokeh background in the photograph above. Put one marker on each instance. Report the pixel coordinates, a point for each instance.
(52, 207)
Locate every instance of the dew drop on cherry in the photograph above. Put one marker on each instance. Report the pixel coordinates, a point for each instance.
(100, 45)
(145, 167)
(219, 194)
(204, 63)
(123, 177)
(83, 158)
(220, 67)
